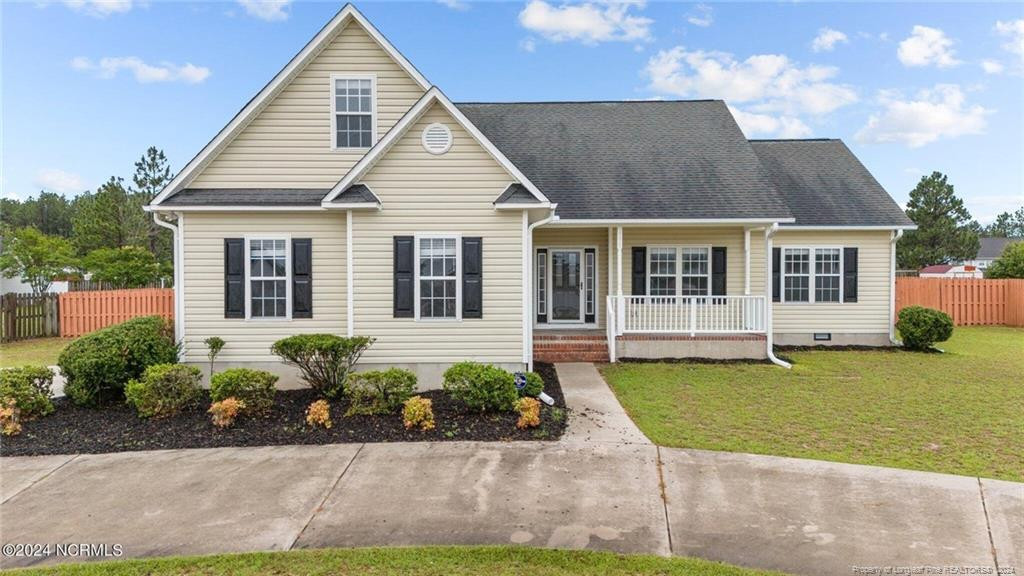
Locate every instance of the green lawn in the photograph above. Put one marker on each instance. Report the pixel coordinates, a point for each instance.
(39, 351)
(451, 561)
(961, 412)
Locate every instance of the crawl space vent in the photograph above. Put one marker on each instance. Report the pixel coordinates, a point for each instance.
(437, 138)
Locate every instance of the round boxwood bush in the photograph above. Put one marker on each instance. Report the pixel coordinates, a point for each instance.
(29, 387)
(164, 389)
(481, 386)
(534, 385)
(922, 327)
(97, 366)
(254, 387)
(379, 391)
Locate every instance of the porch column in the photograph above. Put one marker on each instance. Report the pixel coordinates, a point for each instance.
(618, 257)
(611, 283)
(746, 261)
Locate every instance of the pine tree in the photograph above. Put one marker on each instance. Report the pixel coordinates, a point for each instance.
(944, 232)
(152, 173)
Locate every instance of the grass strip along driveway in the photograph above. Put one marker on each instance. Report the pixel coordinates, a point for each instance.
(447, 561)
(961, 412)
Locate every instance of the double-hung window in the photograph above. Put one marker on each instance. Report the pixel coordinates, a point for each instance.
(268, 278)
(812, 274)
(438, 282)
(354, 111)
(682, 271)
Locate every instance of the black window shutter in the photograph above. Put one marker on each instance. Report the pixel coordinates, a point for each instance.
(472, 277)
(404, 290)
(639, 271)
(776, 274)
(542, 279)
(234, 278)
(302, 278)
(718, 266)
(590, 282)
(849, 274)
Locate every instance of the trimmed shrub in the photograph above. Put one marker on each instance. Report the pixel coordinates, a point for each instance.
(164, 390)
(319, 414)
(325, 360)
(10, 417)
(380, 391)
(481, 386)
(29, 388)
(534, 385)
(254, 388)
(922, 327)
(418, 412)
(529, 412)
(97, 366)
(224, 413)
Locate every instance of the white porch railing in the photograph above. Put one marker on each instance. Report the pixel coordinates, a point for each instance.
(686, 314)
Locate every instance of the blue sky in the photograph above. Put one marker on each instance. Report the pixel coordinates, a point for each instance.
(87, 85)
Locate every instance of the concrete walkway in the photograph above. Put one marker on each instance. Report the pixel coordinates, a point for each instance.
(603, 486)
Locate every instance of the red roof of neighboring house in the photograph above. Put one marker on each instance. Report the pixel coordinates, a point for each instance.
(936, 269)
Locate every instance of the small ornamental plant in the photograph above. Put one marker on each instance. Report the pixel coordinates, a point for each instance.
(225, 412)
(319, 414)
(214, 345)
(10, 417)
(418, 412)
(529, 412)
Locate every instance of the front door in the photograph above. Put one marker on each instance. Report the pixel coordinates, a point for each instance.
(566, 285)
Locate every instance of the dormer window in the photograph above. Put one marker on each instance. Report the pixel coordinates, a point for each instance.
(354, 111)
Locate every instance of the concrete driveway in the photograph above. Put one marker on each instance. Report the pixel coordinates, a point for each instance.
(599, 488)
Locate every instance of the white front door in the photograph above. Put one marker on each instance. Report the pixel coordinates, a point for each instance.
(566, 286)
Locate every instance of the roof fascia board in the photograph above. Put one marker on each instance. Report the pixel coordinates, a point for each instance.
(664, 221)
(297, 63)
(840, 228)
(234, 208)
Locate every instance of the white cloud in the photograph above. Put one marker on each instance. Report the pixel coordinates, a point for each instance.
(144, 73)
(528, 45)
(1014, 30)
(754, 124)
(59, 181)
(99, 8)
(991, 67)
(454, 4)
(701, 16)
(827, 39)
(587, 23)
(927, 46)
(269, 10)
(940, 112)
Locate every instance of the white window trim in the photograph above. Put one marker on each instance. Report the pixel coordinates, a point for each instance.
(812, 274)
(679, 267)
(287, 278)
(458, 275)
(373, 109)
(549, 285)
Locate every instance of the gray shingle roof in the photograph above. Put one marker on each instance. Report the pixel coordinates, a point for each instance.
(621, 160)
(992, 248)
(824, 184)
(246, 197)
(356, 194)
(516, 194)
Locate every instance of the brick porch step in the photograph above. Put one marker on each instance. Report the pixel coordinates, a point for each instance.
(563, 347)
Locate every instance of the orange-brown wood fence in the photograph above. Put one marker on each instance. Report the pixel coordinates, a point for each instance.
(969, 301)
(84, 312)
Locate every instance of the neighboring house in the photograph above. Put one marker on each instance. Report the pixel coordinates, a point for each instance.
(950, 271)
(990, 249)
(351, 196)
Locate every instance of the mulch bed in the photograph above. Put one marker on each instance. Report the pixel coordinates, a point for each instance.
(72, 429)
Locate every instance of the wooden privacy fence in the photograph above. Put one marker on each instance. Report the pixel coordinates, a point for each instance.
(84, 312)
(25, 316)
(969, 301)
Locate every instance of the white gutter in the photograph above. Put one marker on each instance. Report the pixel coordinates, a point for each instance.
(179, 295)
(897, 234)
(666, 221)
(769, 233)
(528, 283)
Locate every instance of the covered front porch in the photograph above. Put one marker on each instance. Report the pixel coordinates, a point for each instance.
(602, 293)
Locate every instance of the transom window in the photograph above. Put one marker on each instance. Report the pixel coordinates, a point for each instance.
(268, 278)
(684, 271)
(438, 277)
(354, 112)
(812, 274)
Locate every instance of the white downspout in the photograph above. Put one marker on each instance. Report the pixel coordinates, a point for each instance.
(892, 287)
(746, 261)
(769, 233)
(528, 295)
(350, 307)
(179, 296)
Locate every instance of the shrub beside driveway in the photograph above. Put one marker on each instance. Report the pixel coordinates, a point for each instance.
(961, 412)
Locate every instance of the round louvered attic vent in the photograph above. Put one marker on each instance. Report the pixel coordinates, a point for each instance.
(437, 138)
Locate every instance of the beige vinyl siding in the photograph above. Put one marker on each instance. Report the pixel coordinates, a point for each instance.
(548, 237)
(449, 193)
(250, 340)
(731, 238)
(869, 315)
(288, 144)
